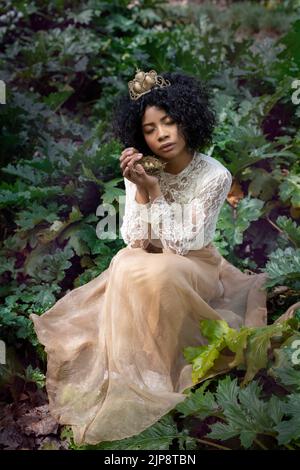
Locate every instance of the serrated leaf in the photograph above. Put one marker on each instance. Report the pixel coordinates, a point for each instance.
(206, 359)
(199, 403)
(111, 192)
(30, 218)
(25, 172)
(50, 267)
(190, 353)
(233, 227)
(247, 438)
(283, 267)
(290, 227)
(263, 185)
(245, 413)
(157, 437)
(275, 409)
(289, 430)
(237, 342)
(284, 368)
(227, 392)
(259, 343)
(214, 330)
(222, 432)
(290, 190)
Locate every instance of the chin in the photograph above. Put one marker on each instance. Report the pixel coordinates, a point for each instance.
(167, 155)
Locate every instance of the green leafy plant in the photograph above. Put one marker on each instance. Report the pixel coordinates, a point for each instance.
(283, 267)
(63, 64)
(250, 347)
(157, 437)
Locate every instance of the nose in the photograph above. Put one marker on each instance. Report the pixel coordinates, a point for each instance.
(162, 134)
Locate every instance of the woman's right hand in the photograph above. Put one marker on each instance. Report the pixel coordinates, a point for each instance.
(129, 154)
(136, 175)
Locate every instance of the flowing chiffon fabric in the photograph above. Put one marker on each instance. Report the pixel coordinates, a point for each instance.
(114, 346)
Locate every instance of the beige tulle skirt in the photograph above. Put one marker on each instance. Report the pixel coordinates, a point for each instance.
(114, 346)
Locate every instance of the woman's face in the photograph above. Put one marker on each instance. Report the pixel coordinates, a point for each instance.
(159, 129)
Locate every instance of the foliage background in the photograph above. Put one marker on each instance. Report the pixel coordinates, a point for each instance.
(64, 63)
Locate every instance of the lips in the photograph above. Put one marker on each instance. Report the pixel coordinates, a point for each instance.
(167, 146)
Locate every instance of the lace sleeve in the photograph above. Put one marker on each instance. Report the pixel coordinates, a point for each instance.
(179, 226)
(134, 229)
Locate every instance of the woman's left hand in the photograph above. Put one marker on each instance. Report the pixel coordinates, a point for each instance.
(137, 174)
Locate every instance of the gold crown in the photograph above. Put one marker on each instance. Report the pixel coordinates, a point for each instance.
(143, 82)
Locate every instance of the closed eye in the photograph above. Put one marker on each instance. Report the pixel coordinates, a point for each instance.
(168, 123)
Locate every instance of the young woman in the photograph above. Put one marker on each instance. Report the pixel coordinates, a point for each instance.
(115, 345)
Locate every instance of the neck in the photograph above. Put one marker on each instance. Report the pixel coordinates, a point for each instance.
(179, 162)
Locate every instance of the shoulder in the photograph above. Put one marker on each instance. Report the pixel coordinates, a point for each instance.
(214, 163)
(215, 167)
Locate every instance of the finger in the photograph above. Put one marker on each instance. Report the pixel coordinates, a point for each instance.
(134, 159)
(124, 154)
(129, 161)
(140, 169)
(126, 171)
(128, 174)
(124, 162)
(126, 158)
(131, 156)
(127, 151)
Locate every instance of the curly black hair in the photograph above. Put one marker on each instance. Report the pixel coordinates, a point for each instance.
(188, 101)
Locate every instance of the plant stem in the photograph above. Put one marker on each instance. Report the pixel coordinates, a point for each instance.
(288, 446)
(260, 444)
(281, 231)
(213, 444)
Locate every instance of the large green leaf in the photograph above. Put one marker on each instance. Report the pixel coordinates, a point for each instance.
(157, 437)
(290, 190)
(291, 229)
(259, 345)
(290, 429)
(283, 267)
(250, 345)
(286, 367)
(200, 403)
(233, 224)
(245, 413)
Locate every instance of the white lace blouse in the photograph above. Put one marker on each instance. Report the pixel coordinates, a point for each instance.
(184, 217)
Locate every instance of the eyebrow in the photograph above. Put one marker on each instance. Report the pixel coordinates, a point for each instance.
(149, 123)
